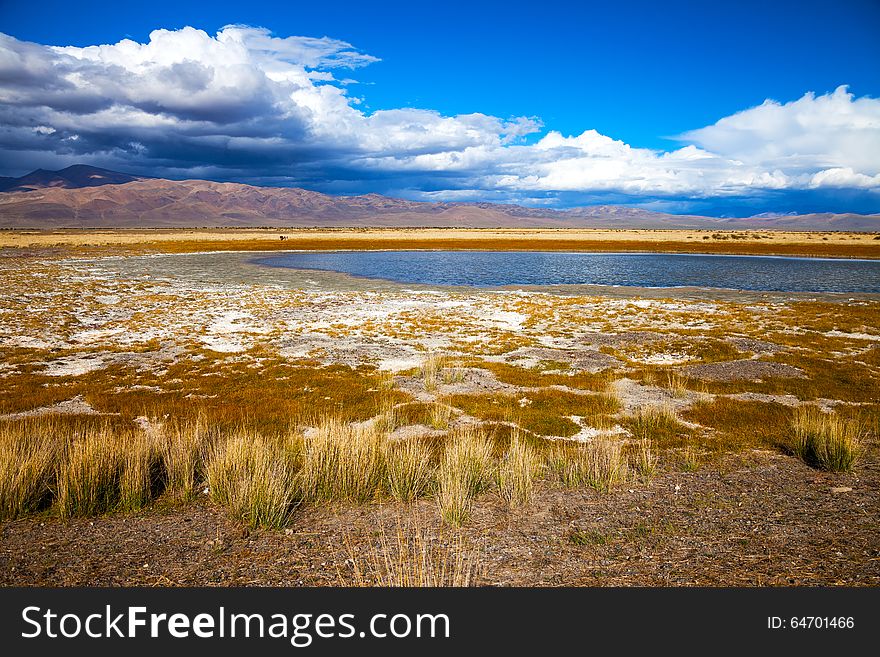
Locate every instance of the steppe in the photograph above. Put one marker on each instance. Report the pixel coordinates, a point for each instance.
(173, 414)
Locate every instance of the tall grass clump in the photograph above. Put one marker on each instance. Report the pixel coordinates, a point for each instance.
(440, 415)
(254, 477)
(599, 464)
(826, 440)
(437, 368)
(341, 462)
(465, 470)
(516, 473)
(644, 459)
(87, 480)
(138, 472)
(656, 423)
(28, 453)
(676, 383)
(409, 469)
(184, 450)
(409, 558)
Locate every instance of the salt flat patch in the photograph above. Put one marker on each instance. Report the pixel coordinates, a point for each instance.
(666, 358)
(73, 365)
(28, 342)
(94, 335)
(227, 332)
(588, 433)
(400, 364)
(852, 336)
(506, 319)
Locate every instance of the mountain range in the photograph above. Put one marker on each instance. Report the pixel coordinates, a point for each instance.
(83, 196)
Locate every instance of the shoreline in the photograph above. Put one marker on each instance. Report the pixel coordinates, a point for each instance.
(768, 243)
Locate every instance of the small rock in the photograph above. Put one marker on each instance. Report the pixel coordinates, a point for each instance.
(841, 489)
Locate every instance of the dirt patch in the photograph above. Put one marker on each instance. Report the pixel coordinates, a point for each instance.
(742, 370)
(754, 346)
(581, 360)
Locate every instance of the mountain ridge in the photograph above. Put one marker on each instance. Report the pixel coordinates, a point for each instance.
(81, 196)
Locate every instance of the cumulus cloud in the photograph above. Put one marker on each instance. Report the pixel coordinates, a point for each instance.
(245, 104)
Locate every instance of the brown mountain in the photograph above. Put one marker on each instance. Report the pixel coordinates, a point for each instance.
(87, 197)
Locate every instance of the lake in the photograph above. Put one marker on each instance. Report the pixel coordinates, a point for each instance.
(505, 268)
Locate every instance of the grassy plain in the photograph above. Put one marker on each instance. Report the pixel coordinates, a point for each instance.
(156, 428)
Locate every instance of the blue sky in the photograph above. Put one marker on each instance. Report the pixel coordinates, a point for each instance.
(641, 74)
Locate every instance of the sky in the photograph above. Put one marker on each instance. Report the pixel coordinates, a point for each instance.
(676, 106)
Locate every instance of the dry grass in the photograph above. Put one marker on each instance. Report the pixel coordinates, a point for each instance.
(440, 415)
(434, 371)
(695, 241)
(516, 473)
(342, 462)
(826, 440)
(740, 424)
(254, 478)
(644, 459)
(658, 424)
(139, 471)
(599, 464)
(544, 412)
(410, 469)
(183, 455)
(87, 477)
(28, 453)
(676, 384)
(465, 471)
(411, 557)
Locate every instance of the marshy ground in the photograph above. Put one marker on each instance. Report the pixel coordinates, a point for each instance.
(548, 437)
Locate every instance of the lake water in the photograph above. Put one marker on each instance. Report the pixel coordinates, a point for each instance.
(497, 268)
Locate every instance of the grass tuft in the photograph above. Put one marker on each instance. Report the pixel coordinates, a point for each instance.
(826, 440)
(28, 452)
(254, 477)
(410, 469)
(342, 462)
(410, 558)
(599, 464)
(516, 473)
(464, 473)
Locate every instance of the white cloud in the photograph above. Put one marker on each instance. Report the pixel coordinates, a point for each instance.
(247, 104)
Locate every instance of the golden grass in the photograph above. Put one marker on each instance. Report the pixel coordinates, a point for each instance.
(544, 412)
(342, 462)
(410, 469)
(184, 446)
(87, 477)
(437, 369)
(28, 453)
(826, 440)
(599, 464)
(254, 478)
(740, 424)
(643, 458)
(440, 415)
(140, 461)
(465, 471)
(688, 241)
(516, 473)
(410, 557)
(659, 424)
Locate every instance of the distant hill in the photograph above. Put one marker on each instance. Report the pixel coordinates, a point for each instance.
(81, 196)
(73, 177)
